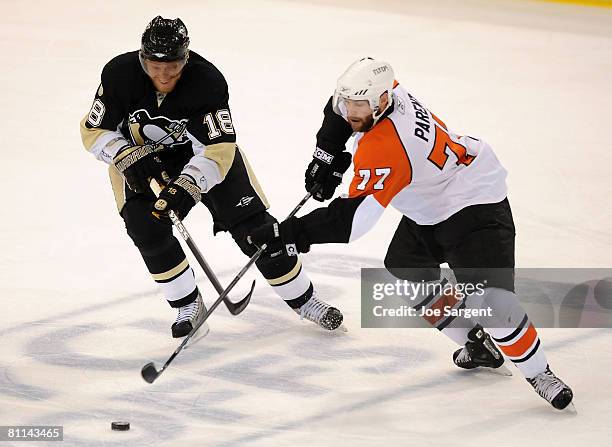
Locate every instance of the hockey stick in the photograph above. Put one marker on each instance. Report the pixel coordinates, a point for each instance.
(233, 308)
(149, 372)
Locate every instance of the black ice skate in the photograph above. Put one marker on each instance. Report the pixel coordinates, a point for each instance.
(188, 317)
(551, 388)
(480, 351)
(321, 313)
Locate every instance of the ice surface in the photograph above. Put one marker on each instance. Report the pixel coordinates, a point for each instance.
(80, 316)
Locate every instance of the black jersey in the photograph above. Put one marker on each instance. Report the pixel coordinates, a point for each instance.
(195, 115)
(335, 131)
(194, 123)
(130, 102)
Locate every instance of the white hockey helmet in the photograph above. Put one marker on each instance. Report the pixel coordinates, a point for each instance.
(365, 79)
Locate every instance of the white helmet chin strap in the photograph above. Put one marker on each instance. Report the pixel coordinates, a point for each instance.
(378, 113)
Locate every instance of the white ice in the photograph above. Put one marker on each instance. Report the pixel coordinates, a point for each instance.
(80, 315)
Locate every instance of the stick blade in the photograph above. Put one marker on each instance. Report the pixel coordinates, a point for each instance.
(149, 372)
(236, 308)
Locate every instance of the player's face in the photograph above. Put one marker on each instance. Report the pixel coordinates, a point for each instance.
(359, 114)
(164, 75)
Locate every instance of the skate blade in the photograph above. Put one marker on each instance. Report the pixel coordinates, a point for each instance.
(199, 335)
(342, 328)
(501, 371)
(570, 409)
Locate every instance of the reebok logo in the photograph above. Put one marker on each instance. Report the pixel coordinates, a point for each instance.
(245, 201)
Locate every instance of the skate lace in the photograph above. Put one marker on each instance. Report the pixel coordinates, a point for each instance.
(188, 312)
(547, 385)
(313, 310)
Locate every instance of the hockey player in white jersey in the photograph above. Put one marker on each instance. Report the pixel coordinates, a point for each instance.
(451, 191)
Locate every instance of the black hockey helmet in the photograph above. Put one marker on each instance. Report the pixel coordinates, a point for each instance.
(165, 40)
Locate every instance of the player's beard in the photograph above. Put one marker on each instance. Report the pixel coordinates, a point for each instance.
(361, 124)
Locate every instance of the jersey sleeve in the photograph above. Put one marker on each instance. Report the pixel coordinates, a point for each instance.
(330, 224)
(381, 164)
(382, 170)
(334, 131)
(211, 132)
(99, 128)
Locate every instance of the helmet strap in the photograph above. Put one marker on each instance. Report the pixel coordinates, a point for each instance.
(377, 112)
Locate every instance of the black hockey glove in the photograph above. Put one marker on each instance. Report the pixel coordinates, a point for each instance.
(283, 238)
(326, 169)
(179, 196)
(138, 164)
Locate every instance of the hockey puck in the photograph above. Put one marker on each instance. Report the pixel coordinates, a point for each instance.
(120, 426)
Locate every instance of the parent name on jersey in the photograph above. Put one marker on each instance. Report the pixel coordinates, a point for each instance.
(422, 115)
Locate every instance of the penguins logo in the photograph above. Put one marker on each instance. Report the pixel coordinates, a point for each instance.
(145, 130)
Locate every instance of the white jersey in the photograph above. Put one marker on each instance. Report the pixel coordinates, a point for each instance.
(413, 162)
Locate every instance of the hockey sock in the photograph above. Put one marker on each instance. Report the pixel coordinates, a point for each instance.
(512, 330)
(180, 290)
(288, 279)
(170, 269)
(432, 299)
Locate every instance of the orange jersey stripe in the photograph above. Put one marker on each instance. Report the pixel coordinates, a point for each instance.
(446, 301)
(520, 347)
(439, 121)
(382, 167)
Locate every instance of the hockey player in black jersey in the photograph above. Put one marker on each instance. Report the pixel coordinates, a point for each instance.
(168, 94)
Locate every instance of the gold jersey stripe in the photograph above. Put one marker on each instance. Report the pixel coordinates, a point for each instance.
(90, 136)
(172, 272)
(222, 154)
(253, 181)
(288, 277)
(118, 185)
